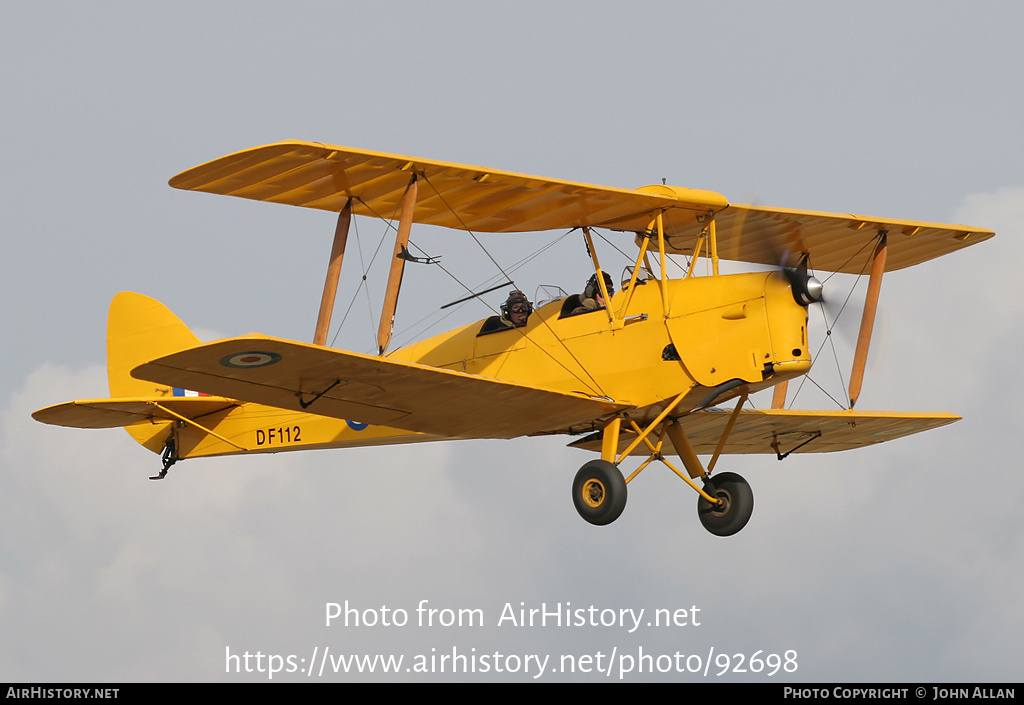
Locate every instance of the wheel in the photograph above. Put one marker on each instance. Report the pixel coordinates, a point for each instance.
(599, 492)
(735, 510)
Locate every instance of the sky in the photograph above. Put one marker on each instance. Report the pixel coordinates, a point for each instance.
(901, 562)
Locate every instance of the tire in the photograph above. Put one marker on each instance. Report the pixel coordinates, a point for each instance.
(599, 492)
(727, 520)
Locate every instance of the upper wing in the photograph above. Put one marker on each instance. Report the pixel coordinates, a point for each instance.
(114, 413)
(456, 196)
(782, 430)
(374, 390)
(459, 196)
(836, 242)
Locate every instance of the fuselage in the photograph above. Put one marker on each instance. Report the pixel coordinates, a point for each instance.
(708, 338)
(694, 335)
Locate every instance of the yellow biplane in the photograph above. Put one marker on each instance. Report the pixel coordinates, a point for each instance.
(641, 373)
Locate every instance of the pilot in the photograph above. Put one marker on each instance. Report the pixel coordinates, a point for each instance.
(591, 298)
(516, 309)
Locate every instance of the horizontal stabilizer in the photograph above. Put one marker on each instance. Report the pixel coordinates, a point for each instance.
(374, 390)
(782, 430)
(115, 413)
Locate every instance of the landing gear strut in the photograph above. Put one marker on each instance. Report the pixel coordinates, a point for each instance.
(169, 457)
(599, 492)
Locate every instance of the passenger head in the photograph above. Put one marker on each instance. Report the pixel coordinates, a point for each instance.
(516, 308)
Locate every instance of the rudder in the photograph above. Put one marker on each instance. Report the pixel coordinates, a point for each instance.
(140, 329)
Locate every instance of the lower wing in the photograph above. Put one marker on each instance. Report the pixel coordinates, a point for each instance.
(375, 390)
(782, 431)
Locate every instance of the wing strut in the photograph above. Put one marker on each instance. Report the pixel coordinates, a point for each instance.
(387, 314)
(599, 274)
(779, 395)
(867, 321)
(661, 252)
(323, 321)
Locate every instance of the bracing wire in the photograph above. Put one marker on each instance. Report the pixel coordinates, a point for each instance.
(413, 334)
(830, 327)
(597, 385)
(362, 283)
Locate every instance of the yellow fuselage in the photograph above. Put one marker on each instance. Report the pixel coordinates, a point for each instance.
(711, 330)
(687, 336)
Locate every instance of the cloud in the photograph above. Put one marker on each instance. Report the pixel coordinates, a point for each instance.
(108, 576)
(92, 547)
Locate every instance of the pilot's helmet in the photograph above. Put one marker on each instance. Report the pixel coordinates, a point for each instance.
(592, 289)
(515, 297)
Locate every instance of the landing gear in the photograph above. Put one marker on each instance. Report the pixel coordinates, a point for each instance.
(736, 503)
(169, 457)
(599, 492)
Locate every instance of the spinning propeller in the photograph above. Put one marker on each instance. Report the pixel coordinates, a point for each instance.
(808, 289)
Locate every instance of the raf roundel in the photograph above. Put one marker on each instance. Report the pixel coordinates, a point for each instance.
(250, 359)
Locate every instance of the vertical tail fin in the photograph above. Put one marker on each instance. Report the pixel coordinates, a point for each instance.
(140, 329)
